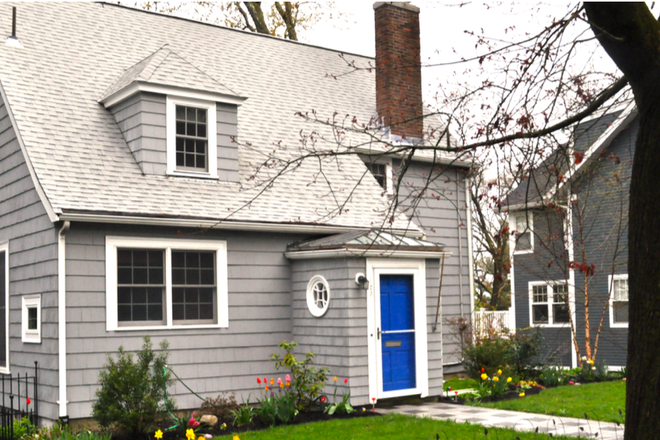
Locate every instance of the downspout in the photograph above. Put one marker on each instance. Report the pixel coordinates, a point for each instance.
(571, 276)
(460, 250)
(437, 309)
(61, 318)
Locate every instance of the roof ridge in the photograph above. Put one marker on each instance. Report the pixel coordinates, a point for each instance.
(162, 48)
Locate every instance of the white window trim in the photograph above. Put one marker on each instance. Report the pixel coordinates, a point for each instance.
(551, 294)
(212, 132)
(610, 285)
(4, 247)
(31, 336)
(311, 303)
(530, 225)
(111, 245)
(389, 184)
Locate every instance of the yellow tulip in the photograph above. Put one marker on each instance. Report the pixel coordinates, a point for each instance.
(496, 379)
(335, 379)
(499, 372)
(522, 394)
(508, 380)
(484, 376)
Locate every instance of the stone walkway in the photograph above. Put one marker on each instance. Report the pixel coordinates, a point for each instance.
(512, 419)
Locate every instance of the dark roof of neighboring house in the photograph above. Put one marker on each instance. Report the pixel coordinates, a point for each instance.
(588, 137)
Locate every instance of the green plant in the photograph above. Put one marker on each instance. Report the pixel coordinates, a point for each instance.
(243, 415)
(553, 376)
(493, 386)
(593, 370)
(341, 407)
(307, 381)
(523, 346)
(132, 391)
(280, 406)
(222, 406)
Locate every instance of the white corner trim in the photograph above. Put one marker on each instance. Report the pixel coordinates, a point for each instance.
(212, 136)
(180, 92)
(417, 268)
(61, 318)
(35, 180)
(512, 276)
(610, 285)
(112, 243)
(4, 247)
(29, 336)
(468, 215)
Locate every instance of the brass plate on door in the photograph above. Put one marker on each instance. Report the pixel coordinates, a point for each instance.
(389, 344)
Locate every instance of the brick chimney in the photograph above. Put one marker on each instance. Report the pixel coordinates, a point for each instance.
(398, 68)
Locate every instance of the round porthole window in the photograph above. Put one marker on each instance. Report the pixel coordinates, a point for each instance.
(318, 296)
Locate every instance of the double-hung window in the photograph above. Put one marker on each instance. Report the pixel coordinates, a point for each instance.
(549, 303)
(523, 232)
(618, 300)
(191, 137)
(383, 174)
(165, 283)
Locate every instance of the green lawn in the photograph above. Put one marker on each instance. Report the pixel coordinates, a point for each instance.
(460, 384)
(391, 426)
(600, 401)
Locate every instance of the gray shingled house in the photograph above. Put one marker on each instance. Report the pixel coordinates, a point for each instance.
(142, 192)
(574, 208)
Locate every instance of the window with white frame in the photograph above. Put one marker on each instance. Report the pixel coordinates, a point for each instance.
(549, 303)
(382, 172)
(165, 283)
(31, 319)
(619, 301)
(191, 137)
(318, 296)
(523, 232)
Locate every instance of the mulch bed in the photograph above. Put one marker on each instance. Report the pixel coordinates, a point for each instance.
(256, 425)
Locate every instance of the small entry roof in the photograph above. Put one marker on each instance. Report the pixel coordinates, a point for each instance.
(369, 243)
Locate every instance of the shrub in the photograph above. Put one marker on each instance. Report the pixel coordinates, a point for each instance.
(222, 407)
(132, 390)
(553, 376)
(593, 371)
(307, 381)
(492, 351)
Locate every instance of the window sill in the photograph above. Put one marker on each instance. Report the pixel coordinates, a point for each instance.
(164, 327)
(531, 251)
(621, 325)
(192, 175)
(566, 325)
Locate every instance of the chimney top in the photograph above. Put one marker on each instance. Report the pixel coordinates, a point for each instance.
(398, 69)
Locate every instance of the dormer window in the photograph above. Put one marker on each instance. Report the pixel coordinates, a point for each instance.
(191, 137)
(383, 174)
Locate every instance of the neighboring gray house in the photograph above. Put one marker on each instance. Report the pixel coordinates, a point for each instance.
(570, 221)
(140, 195)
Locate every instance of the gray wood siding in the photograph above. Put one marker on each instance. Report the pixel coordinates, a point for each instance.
(32, 265)
(543, 265)
(142, 121)
(227, 122)
(208, 360)
(440, 208)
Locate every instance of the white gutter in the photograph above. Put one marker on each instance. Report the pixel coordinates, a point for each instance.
(361, 253)
(571, 277)
(61, 316)
(141, 86)
(230, 225)
(369, 151)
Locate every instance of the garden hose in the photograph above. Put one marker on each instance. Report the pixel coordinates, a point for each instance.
(175, 418)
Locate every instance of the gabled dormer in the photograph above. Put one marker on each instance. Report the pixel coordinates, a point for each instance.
(176, 119)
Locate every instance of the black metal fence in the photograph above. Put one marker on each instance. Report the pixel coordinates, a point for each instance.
(19, 400)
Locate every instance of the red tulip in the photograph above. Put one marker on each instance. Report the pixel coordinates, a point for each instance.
(28, 401)
(322, 399)
(258, 380)
(345, 380)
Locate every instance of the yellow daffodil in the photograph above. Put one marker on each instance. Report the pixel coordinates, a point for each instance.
(499, 372)
(591, 361)
(484, 376)
(522, 394)
(159, 434)
(496, 379)
(190, 434)
(235, 438)
(508, 380)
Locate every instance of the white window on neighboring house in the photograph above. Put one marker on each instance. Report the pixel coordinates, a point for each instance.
(154, 283)
(618, 300)
(382, 172)
(524, 233)
(549, 304)
(31, 319)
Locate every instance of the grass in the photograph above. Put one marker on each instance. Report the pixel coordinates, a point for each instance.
(600, 401)
(460, 384)
(393, 426)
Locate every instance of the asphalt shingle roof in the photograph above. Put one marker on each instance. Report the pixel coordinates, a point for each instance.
(73, 54)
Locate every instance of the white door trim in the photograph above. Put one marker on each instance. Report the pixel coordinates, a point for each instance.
(417, 268)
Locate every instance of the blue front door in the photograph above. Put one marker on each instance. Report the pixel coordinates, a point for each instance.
(397, 332)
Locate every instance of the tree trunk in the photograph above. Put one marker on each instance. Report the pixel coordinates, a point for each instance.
(631, 36)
